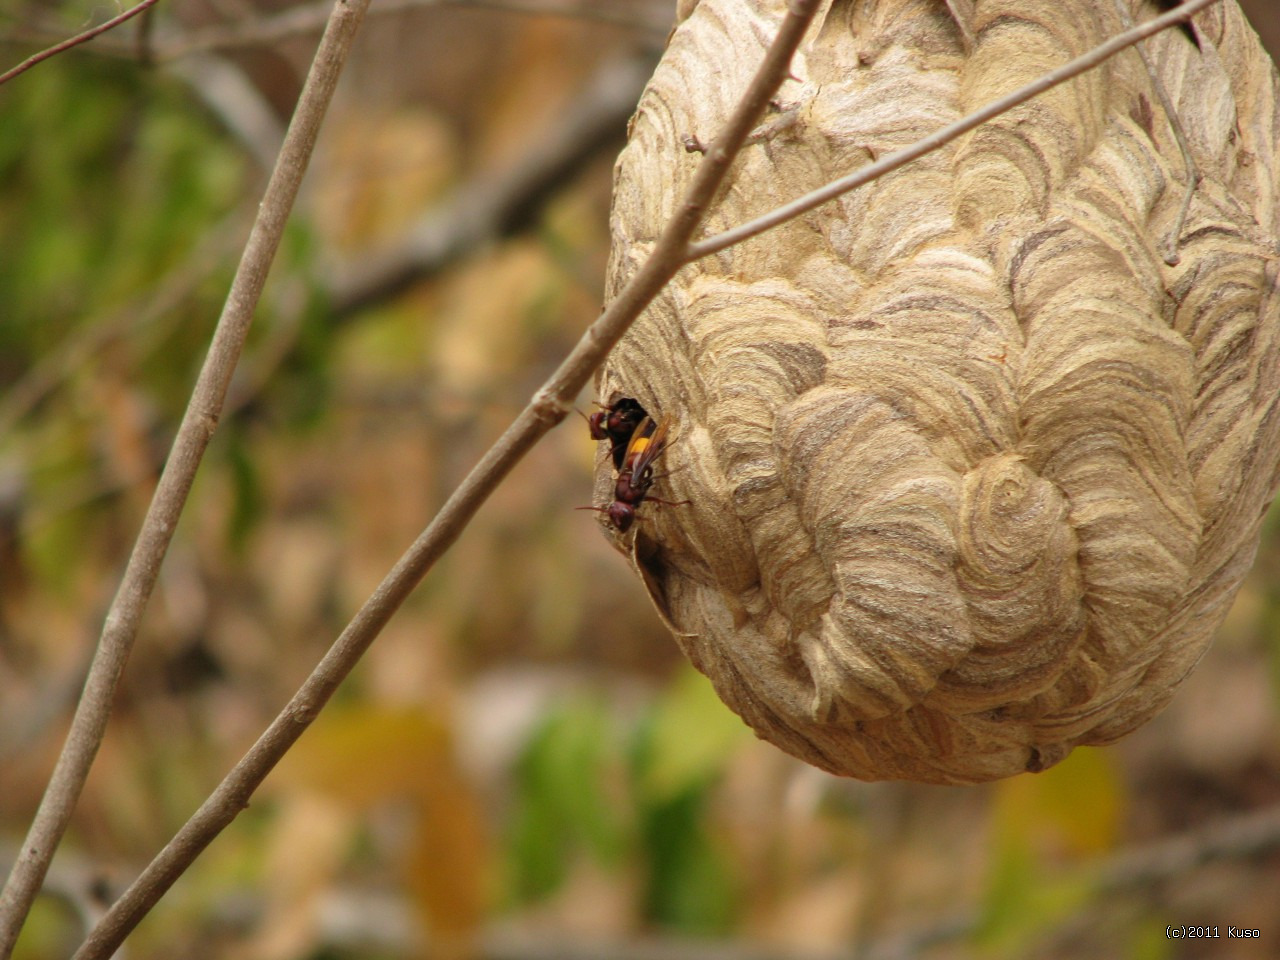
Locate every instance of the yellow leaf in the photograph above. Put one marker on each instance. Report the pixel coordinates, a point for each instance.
(1071, 809)
(365, 757)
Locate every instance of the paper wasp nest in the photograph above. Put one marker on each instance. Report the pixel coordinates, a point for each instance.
(974, 473)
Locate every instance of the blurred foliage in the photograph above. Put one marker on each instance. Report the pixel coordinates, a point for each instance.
(1070, 812)
(686, 739)
(679, 756)
(565, 800)
(630, 800)
(144, 168)
(355, 756)
(523, 747)
(89, 231)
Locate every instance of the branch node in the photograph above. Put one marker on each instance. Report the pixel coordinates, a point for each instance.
(693, 145)
(547, 408)
(784, 120)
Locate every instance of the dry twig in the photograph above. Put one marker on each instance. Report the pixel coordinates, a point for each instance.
(1194, 176)
(874, 171)
(75, 41)
(486, 206)
(388, 921)
(203, 411)
(549, 406)
(305, 20)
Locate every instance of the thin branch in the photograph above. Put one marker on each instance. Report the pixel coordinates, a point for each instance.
(486, 206)
(75, 41)
(601, 11)
(549, 406)
(198, 424)
(1242, 837)
(306, 19)
(93, 334)
(237, 103)
(84, 886)
(142, 39)
(356, 919)
(1171, 255)
(864, 175)
(1246, 835)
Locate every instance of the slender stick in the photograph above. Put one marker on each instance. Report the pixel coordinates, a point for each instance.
(309, 18)
(864, 175)
(78, 39)
(306, 18)
(198, 423)
(548, 407)
(1171, 255)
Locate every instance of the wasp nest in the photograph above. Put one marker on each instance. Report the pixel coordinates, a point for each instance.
(973, 472)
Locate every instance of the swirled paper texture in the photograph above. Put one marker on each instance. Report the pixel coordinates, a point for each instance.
(974, 473)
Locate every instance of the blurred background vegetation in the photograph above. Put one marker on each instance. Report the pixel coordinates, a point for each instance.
(523, 766)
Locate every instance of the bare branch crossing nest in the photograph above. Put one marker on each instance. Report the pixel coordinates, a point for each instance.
(974, 473)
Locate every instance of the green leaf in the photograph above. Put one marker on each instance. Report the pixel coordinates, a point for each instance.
(689, 738)
(563, 804)
(690, 885)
